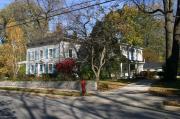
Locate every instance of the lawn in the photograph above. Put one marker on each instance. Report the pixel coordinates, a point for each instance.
(105, 85)
(166, 88)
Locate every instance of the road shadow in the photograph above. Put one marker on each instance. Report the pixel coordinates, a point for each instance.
(102, 107)
(31, 107)
(27, 105)
(5, 111)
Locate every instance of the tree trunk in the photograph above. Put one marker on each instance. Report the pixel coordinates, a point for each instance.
(97, 69)
(174, 59)
(97, 78)
(169, 24)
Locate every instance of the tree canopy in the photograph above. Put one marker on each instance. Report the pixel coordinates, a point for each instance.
(22, 12)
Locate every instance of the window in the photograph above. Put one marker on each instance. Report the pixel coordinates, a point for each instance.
(31, 55)
(50, 53)
(32, 69)
(50, 68)
(36, 55)
(41, 68)
(54, 52)
(41, 54)
(70, 52)
(45, 68)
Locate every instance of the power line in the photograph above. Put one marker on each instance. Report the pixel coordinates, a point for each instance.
(78, 4)
(65, 12)
(75, 5)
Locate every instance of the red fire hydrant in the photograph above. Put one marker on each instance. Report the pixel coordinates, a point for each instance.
(83, 87)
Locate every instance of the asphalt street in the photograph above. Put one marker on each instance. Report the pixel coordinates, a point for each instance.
(130, 102)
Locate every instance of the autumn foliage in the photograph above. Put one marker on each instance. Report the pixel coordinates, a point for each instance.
(66, 66)
(13, 50)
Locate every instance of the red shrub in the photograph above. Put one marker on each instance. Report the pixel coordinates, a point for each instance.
(66, 66)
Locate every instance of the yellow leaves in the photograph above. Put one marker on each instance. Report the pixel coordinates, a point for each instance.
(13, 50)
(134, 38)
(130, 11)
(150, 55)
(15, 35)
(3, 59)
(3, 70)
(14, 32)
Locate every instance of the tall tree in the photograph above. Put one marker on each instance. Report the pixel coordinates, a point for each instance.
(138, 29)
(175, 57)
(31, 18)
(170, 26)
(13, 50)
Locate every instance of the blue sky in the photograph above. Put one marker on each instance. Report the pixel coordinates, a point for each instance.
(4, 3)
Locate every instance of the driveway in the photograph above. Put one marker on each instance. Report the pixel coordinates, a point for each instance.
(130, 102)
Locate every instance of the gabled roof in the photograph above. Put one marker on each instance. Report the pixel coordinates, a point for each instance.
(51, 40)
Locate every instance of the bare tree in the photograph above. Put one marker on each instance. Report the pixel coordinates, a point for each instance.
(97, 68)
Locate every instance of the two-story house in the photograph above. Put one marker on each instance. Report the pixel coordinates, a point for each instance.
(134, 60)
(42, 55)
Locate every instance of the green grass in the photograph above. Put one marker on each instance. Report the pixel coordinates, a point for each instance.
(44, 91)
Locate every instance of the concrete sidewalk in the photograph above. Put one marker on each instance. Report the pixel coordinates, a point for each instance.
(137, 87)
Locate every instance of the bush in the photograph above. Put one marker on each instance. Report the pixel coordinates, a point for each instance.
(22, 72)
(66, 66)
(31, 77)
(104, 75)
(59, 77)
(65, 69)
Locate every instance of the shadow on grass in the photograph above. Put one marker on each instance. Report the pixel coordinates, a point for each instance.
(167, 84)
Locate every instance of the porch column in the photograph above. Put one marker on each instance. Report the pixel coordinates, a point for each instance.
(136, 68)
(38, 69)
(121, 72)
(129, 70)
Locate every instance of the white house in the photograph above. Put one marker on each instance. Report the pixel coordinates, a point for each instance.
(134, 60)
(42, 55)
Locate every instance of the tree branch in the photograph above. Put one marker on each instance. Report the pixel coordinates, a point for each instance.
(148, 12)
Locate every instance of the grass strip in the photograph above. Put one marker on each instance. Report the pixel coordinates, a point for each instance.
(172, 103)
(163, 88)
(105, 85)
